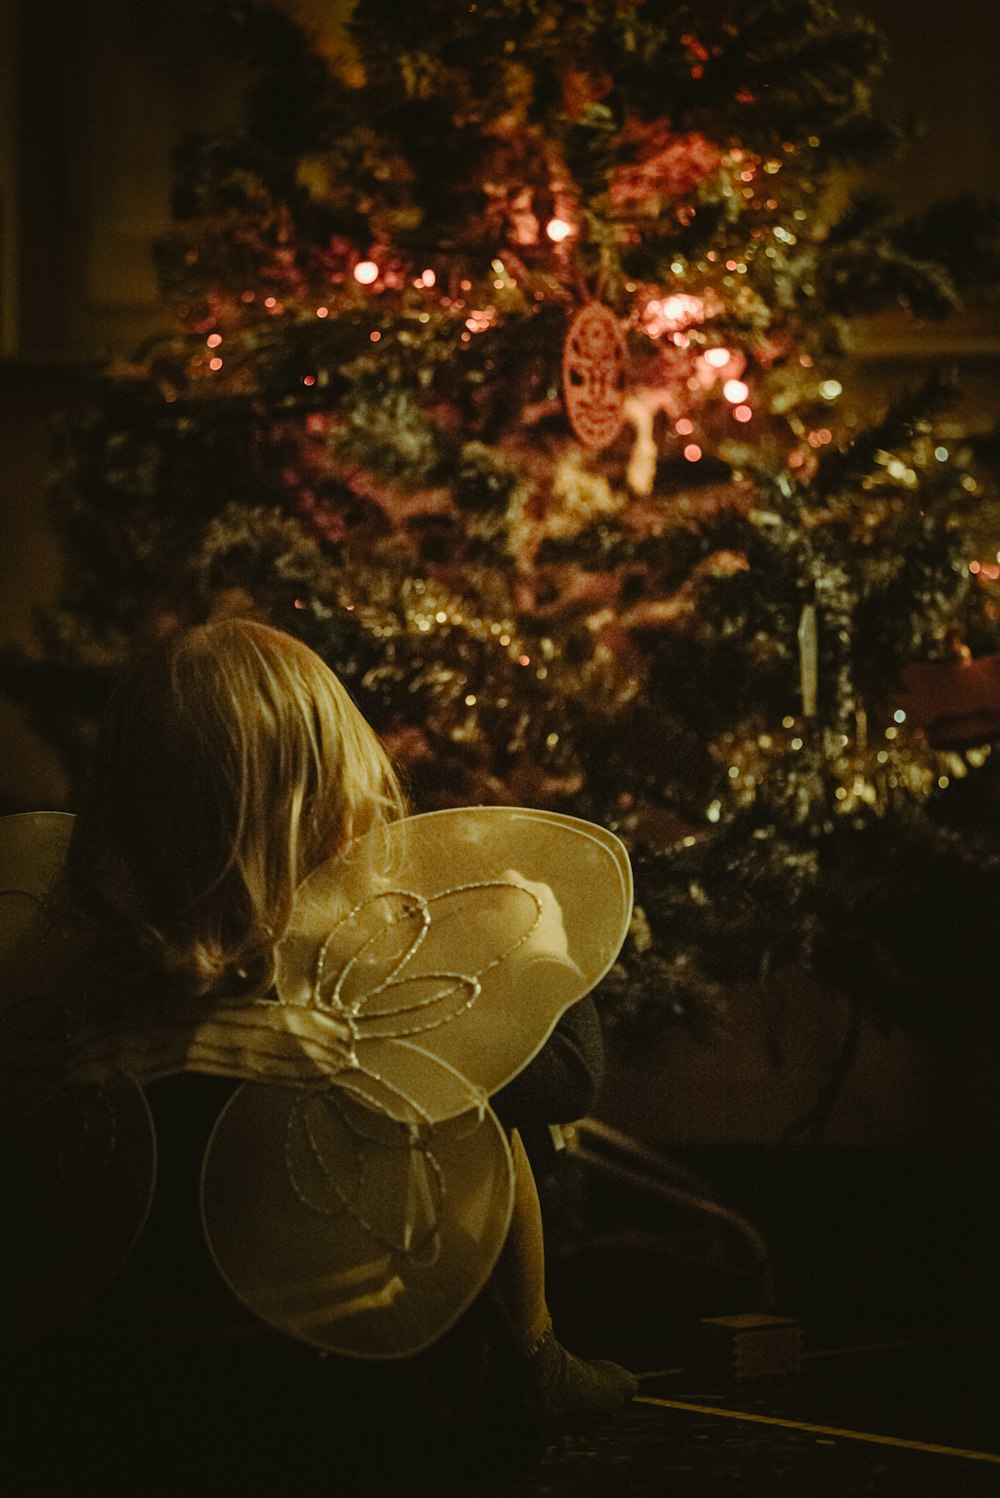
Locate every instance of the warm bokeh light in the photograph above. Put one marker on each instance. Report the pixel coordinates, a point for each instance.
(735, 391)
(692, 452)
(672, 314)
(558, 229)
(743, 413)
(717, 357)
(365, 272)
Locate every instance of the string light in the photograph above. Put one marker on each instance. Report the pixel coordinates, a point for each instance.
(672, 313)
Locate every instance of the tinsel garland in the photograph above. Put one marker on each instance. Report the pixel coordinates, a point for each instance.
(693, 627)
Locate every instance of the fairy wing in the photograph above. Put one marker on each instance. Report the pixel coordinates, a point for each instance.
(469, 931)
(76, 1162)
(361, 1230)
(356, 1192)
(442, 950)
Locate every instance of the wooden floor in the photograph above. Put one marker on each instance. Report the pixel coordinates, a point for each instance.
(889, 1263)
(918, 1421)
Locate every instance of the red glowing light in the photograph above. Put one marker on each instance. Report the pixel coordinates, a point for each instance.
(213, 340)
(270, 301)
(692, 452)
(308, 379)
(428, 277)
(375, 336)
(685, 427)
(215, 363)
(743, 413)
(365, 272)
(524, 660)
(322, 312)
(974, 567)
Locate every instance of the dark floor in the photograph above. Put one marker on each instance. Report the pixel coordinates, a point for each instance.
(655, 1449)
(889, 1263)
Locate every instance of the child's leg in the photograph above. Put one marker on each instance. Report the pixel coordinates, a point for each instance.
(519, 1277)
(566, 1390)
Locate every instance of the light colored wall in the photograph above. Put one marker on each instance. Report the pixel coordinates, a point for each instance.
(9, 142)
(108, 88)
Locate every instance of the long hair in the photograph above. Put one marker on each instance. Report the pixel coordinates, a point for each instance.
(231, 762)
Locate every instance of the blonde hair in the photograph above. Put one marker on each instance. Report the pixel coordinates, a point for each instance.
(230, 764)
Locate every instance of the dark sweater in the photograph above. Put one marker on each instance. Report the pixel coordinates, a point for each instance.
(561, 1084)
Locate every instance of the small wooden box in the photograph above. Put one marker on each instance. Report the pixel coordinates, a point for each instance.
(753, 1345)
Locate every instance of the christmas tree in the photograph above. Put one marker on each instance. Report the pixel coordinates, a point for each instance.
(509, 367)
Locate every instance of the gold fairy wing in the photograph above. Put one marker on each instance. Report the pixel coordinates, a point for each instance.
(340, 1216)
(32, 850)
(471, 929)
(76, 1162)
(357, 1192)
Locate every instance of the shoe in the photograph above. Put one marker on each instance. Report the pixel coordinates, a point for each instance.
(567, 1392)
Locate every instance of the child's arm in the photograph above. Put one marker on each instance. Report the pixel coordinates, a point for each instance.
(560, 1085)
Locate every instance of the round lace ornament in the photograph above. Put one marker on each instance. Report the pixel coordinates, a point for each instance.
(593, 372)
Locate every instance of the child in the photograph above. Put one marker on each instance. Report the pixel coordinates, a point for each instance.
(231, 766)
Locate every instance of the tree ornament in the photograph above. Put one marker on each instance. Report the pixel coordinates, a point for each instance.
(955, 701)
(808, 659)
(593, 367)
